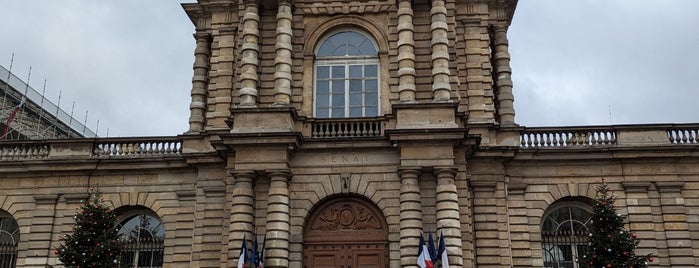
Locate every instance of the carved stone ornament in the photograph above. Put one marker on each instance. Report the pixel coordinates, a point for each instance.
(346, 219)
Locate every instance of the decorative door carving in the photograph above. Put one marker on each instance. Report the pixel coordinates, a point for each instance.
(346, 232)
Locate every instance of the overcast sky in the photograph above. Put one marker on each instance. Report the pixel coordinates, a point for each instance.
(575, 62)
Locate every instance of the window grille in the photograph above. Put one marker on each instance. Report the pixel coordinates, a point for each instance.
(142, 236)
(564, 236)
(9, 238)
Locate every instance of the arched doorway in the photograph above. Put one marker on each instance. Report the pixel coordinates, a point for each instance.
(346, 232)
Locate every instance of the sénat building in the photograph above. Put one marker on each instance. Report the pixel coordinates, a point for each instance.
(343, 130)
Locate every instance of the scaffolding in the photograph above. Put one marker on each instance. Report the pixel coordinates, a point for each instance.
(38, 118)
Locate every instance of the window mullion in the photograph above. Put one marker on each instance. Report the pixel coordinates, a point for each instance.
(347, 90)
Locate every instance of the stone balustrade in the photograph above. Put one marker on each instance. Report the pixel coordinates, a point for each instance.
(684, 135)
(609, 136)
(156, 146)
(91, 148)
(566, 137)
(23, 151)
(346, 128)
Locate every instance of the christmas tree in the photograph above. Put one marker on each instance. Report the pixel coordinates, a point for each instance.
(94, 241)
(610, 244)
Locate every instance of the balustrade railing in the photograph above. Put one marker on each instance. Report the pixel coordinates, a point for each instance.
(346, 128)
(683, 135)
(537, 138)
(131, 147)
(23, 151)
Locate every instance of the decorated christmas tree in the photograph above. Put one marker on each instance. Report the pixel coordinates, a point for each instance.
(610, 244)
(94, 241)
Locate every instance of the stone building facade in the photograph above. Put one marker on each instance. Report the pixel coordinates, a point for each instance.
(343, 131)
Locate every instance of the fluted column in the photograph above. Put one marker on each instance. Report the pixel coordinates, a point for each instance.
(448, 216)
(197, 108)
(277, 246)
(241, 221)
(503, 74)
(441, 89)
(282, 62)
(406, 52)
(410, 216)
(250, 55)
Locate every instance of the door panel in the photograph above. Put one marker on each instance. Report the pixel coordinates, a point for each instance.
(346, 232)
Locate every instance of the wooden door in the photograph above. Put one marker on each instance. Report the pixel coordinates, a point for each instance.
(347, 232)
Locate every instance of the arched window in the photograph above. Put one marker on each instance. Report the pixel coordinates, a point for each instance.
(346, 76)
(564, 233)
(9, 238)
(142, 234)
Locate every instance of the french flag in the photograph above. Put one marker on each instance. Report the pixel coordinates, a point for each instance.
(423, 255)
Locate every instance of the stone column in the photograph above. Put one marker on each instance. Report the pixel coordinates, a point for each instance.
(277, 246)
(406, 54)
(503, 74)
(241, 220)
(197, 108)
(448, 216)
(441, 89)
(410, 215)
(250, 55)
(282, 62)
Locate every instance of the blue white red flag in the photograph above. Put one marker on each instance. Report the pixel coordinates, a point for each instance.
(243, 253)
(423, 255)
(442, 254)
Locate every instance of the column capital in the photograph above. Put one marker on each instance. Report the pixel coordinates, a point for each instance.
(280, 173)
(445, 171)
(242, 174)
(202, 36)
(406, 172)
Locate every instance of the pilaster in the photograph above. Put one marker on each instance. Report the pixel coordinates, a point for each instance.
(638, 203)
(679, 242)
(41, 231)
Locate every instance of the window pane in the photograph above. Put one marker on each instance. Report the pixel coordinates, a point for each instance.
(338, 86)
(372, 98)
(323, 71)
(322, 112)
(355, 100)
(367, 48)
(338, 100)
(353, 51)
(371, 111)
(325, 49)
(338, 71)
(372, 85)
(338, 112)
(322, 86)
(355, 85)
(356, 112)
(355, 71)
(322, 100)
(370, 70)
